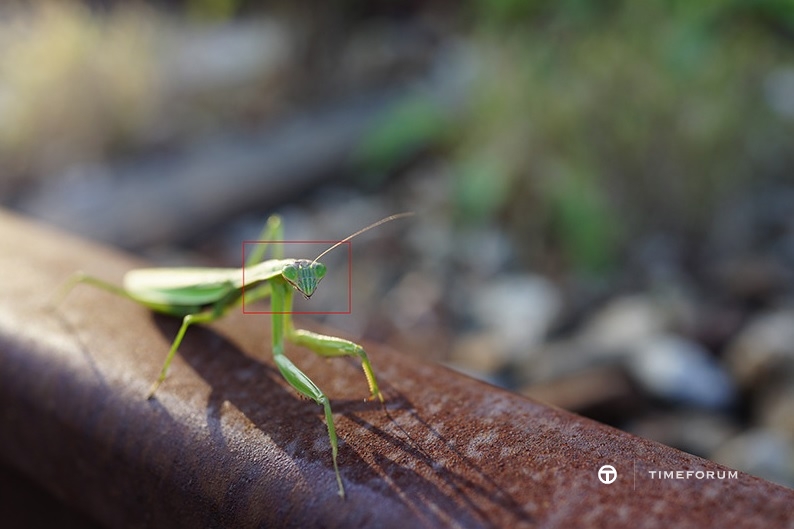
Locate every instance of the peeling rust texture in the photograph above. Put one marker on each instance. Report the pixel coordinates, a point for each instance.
(226, 443)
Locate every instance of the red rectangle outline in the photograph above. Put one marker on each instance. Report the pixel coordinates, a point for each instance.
(349, 277)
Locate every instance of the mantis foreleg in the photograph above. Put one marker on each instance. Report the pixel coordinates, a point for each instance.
(323, 345)
(330, 346)
(282, 302)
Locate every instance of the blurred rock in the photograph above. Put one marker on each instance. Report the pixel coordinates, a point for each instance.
(624, 323)
(752, 277)
(224, 57)
(717, 324)
(413, 300)
(608, 338)
(695, 431)
(586, 392)
(479, 354)
(514, 314)
(761, 453)
(763, 350)
(520, 309)
(678, 370)
(761, 359)
(560, 359)
(779, 91)
(487, 252)
(775, 408)
(751, 246)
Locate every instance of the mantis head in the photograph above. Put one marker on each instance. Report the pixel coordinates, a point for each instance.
(304, 275)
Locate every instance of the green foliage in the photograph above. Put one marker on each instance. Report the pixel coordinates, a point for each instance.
(405, 128)
(481, 187)
(212, 10)
(582, 220)
(596, 122)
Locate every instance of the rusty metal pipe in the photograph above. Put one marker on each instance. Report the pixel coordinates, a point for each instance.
(226, 443)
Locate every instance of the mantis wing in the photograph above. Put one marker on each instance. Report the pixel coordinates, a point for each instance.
(163, 288)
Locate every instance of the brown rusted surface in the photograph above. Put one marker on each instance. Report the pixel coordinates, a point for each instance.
(227, 443)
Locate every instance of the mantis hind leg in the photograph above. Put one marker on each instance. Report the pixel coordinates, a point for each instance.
(218, 309)
(82, 277)
(187, 321)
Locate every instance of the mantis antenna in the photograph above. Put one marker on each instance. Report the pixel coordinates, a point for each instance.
(362, 230)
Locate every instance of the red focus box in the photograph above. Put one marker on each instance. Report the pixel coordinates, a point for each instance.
(293, 243)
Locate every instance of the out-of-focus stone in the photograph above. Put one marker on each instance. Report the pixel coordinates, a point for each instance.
(763, 349)
(519, 308)
(624, 323)
(760, 452)
(584, 391)
(775, 408)
(478, 354)
(681, 371)
(694, 431)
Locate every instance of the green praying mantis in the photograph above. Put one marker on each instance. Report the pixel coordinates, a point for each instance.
(203, 295)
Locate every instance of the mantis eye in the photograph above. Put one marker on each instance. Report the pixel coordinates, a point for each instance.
(320, 270)
(290, 273)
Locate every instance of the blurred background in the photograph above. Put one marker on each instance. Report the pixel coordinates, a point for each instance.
(603, 190)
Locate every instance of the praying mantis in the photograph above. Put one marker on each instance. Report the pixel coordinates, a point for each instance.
(203, 295)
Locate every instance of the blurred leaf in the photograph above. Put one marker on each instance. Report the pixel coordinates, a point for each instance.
(586, 225)
(407, 128)
(212, 10)
(480, 188)
(655, 109)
